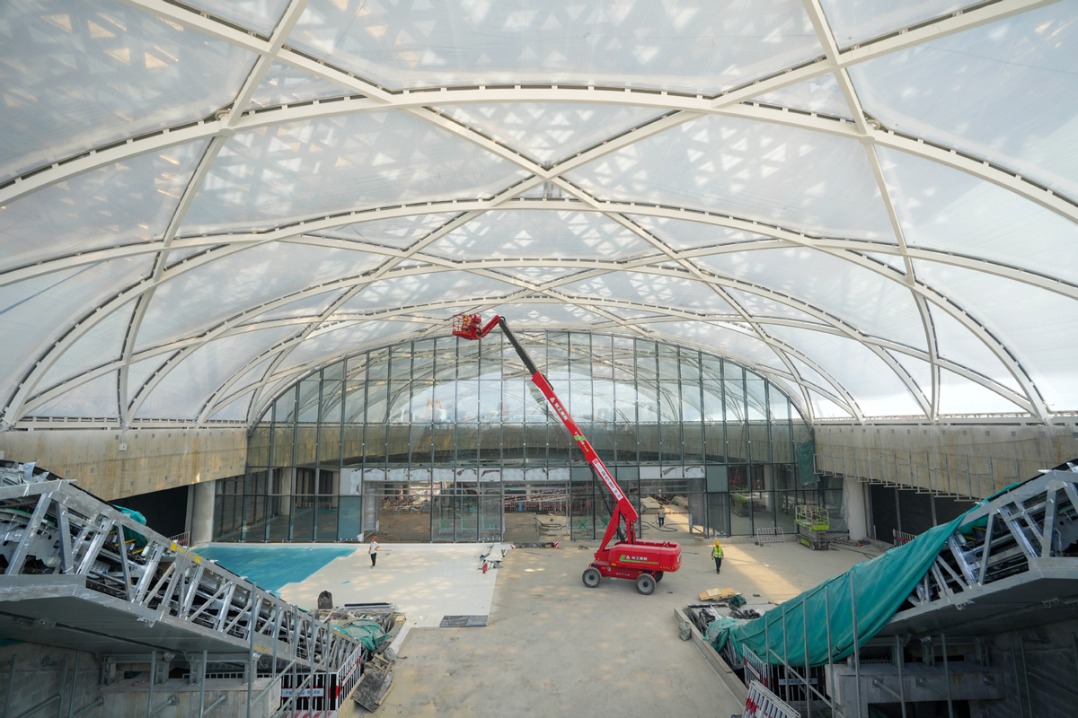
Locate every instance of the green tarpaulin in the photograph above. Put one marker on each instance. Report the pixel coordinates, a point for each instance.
(872, 590)
(805, 453)
(369, 633)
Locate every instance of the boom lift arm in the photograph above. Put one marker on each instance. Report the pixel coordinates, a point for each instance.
(643, 561)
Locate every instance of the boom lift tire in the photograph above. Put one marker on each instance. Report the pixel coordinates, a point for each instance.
(591, 577)
(645, 584)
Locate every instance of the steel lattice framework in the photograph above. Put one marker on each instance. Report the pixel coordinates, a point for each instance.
(810, 201)
(81, 574)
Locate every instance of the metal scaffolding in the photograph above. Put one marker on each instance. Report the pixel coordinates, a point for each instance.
(1015, 543)
(78, 573)
(1009, 564)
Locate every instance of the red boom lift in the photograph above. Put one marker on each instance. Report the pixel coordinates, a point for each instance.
(629, 557)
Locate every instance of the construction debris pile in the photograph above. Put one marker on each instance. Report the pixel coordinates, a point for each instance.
(718, 603)
(374, 625)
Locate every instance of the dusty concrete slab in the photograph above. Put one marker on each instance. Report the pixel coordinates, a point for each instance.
(425, 581)
(553, 647)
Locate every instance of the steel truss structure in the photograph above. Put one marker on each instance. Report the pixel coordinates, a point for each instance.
(1010, 564)
(1019, 541)
(78, 573)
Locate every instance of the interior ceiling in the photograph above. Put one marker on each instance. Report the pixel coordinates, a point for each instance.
(202, 202)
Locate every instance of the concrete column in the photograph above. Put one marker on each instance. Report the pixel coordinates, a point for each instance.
(288, 483)
(202, 513)
(853, 496)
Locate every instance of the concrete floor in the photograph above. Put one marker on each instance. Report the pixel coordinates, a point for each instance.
(551, 646)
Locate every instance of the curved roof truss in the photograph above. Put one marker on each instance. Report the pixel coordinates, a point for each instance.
(795, 216)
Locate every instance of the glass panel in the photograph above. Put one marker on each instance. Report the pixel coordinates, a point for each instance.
(587, 512)
(756, 397)
(325, 519)
(303, 517)
(278, 519)
(349, 518)
(474, 463)
(254, 518)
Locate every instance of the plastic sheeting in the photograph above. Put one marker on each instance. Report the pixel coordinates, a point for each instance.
(825, 620)
(368, 633)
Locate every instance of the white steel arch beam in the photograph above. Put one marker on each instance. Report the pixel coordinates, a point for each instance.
(950, 157)
(697, 273)
(591, 267)
(227, 397)
(833, 245)
(388, 267)
(208, 129)
(376, 96)
(258, 408)
(1033, 399)
(929, 404)
(307, 232)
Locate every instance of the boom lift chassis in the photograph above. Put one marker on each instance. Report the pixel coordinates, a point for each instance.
(644, 562)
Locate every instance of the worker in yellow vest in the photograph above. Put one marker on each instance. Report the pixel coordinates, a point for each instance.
(716, 553)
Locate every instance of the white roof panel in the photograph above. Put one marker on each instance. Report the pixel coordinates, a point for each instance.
(804, 180)
(692, 47)
(202, 202)
(80, 76)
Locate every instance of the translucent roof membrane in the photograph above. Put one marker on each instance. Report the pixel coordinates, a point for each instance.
(203, 202)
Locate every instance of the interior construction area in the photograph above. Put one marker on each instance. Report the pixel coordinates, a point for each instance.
(700, 358)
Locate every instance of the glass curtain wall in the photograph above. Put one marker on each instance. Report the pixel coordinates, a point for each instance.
(448, 440)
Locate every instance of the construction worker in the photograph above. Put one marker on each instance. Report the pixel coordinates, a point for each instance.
(716, 553)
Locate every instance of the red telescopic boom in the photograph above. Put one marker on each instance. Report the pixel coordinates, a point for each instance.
(649, 558)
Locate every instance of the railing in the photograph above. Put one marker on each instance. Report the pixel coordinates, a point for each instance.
(771, 534)
(762, 703)
(900, 537)
(181, 539)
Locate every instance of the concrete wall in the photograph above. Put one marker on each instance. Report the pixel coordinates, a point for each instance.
(1039, 668)
(971, 460)
(968, 459)
(112, 466)
(38, 681)
(56, 681)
